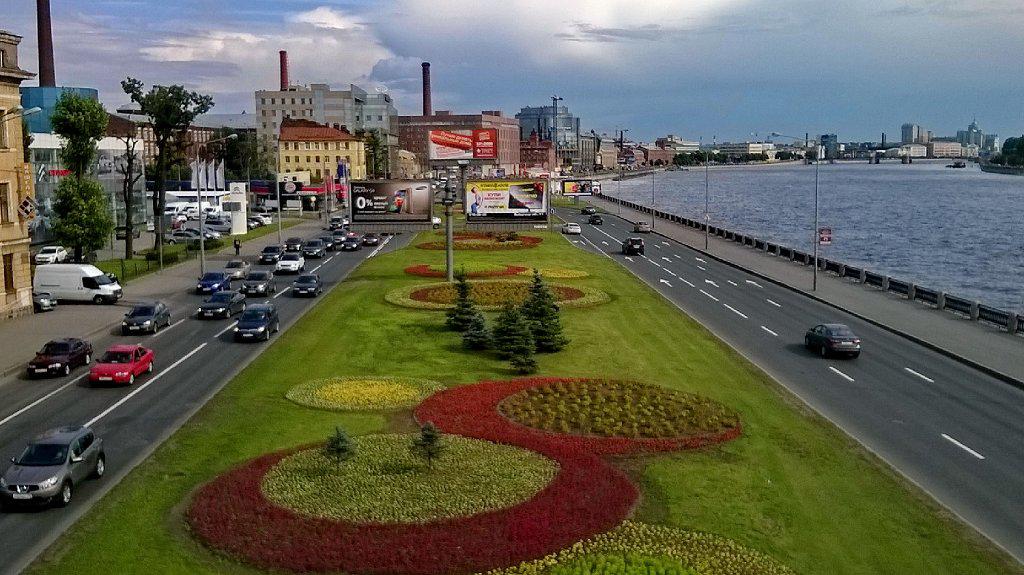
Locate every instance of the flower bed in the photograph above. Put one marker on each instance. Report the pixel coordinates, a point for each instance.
(384, 482)
(558, 273)
(485, 241)
(491, 295)
(472, 270)
(362, 393)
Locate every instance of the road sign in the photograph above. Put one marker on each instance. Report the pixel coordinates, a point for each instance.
(825, 236)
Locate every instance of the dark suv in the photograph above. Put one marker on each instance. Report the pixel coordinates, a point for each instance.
(60, 356)
(51, 465)
(633, 247)
(293, 245)
(257, 322)
(314, 249)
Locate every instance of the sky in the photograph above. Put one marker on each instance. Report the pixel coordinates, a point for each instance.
(728, 69)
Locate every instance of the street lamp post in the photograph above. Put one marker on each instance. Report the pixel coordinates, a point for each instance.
(814, 233)
(199, 202)
(449, 233)
(554, 135)
(707, 198)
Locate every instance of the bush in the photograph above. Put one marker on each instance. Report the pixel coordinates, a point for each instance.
(428, 444)
(541, 314)
(339, 447)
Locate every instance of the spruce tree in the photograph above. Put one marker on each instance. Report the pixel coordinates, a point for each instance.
(339, 446)
(461, 316)
(541, 313)
(477, 336)
(428, 444)
(513, 340)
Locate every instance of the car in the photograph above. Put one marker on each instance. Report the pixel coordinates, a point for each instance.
(351, 244)
(253, 223)
(43, 301)
(146, 317)
(588, 211)
(211, 282)
(314, 249)
(181, 235)
(259, 282)
(337, 222)
(121, 232)
(832, 339)
(641, 228)
(219, 225)
(328, 241)
(257, 322)
(60, 356)
(51, 465)
(595, 220)
(339, 236)
(572, 228)
(51, 255)
(633, 247)
(77, 282)
(293, 245)
(237, 269)
(122, 364)
(371, 239)
(271, 254)
(221, 304)
(265, 219)
(290, 263)
(307, 284)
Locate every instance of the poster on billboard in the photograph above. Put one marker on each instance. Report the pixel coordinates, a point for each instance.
(481, 144)
(391, 201)
(506, 201)
(576, 188)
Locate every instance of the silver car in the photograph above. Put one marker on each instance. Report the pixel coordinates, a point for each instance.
(237, 269)
(50, 467)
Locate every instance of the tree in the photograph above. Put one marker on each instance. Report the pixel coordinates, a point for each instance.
(541, 314)
(339, 446)
(376, 147)
(461, 316)
(428, 444)
(130, 168)
(26, 140)
(477, 336)
(513, 340)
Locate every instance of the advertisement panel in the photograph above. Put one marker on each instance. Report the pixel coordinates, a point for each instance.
(576, 188)
(506, 201)
(481, 144)
(391, 201)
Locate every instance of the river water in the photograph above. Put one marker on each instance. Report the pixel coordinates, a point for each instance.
(955, 230)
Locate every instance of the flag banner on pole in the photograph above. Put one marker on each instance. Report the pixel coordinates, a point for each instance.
(194, 166)
(211, 175)
(221, 185)
(201, 183)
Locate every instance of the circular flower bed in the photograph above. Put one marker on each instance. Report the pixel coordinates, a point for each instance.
(491, 295)
(473, 270)
(559, 273)
(612, 408)
(485, 241)
(362, 393)
(384, 482)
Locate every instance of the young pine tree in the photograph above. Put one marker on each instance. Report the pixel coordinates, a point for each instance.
(461, 316)
(541, 313)
(513, 340)
(428, 445)
(477, 337)
(339, 446)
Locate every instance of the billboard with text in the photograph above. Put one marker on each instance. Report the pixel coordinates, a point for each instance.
(391, 201)
(506, 201)
(576, 188)
(481, 144)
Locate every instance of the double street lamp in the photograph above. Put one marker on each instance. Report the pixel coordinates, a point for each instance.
(815, 233)
(199, 202)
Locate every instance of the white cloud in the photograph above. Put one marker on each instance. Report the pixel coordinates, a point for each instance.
(325, 17)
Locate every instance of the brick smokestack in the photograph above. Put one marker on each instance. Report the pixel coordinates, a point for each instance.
(46, 75)
(427, 109)
(283, 54)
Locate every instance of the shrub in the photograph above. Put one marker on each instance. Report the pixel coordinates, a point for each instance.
(428, 444)
(477, 337)
(362, 393)
(339, 447)
(461, 316)
(541, 314)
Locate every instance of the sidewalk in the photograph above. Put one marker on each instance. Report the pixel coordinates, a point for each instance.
(989, 348)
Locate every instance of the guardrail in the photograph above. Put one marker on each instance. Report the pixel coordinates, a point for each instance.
(975, 310)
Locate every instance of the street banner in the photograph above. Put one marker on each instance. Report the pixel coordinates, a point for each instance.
(391, 201)
(221, 183)
(576, 188)
(481, 144)
(496, 201)
(825, 236)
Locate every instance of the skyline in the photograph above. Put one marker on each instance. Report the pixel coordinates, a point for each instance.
(730, 69)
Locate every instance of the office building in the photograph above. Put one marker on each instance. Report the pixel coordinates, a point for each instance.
(746, 148)
(991, 143)
(673, 142)
(554, 123)
(911, 133)
(536, 155)
(195, 137)
(945, 150)
(830, 146)
(972, 135)
(306, 146)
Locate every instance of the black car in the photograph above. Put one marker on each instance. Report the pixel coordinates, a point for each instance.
(259, 283)
(221, 304)
(271, 254)
(60, 356)
(350, 244)
(595, 220)
(308, 284)
(832, 338)
(588, 211)
(257, 322)
(371, 240)
(314, 249)
(633, 247)
(293, 245)
(328, 241)
(338, 222)
(146, 317)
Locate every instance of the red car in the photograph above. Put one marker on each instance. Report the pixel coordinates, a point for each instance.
(121, 363)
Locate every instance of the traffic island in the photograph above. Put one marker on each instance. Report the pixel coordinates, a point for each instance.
(491, 295)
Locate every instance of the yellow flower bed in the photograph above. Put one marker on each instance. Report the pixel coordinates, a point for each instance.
(558, 273)
(363, 393)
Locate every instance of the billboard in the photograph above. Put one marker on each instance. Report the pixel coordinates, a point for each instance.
(391, 201)
(576, 188)
(481, 144)
(506, 201)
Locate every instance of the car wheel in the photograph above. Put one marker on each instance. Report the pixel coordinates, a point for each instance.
(156, 327)
(101, 466)
(131, 379)
(807, 342)
(855, 355)
(823, 350)
(88, 359)
(149, 368)
(66, 492)
(266, 335)
(97, 299)
(67, 369)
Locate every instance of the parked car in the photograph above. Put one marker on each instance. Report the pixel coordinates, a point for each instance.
(588, 211)
(328, 241)
(314, 249)
(253, 223)
(267, 219)
(595, 220)
(221, 304)
(290, 263)
(572, 228)
(307, 284)
(146, 317)
(60, 356)
(832, 338)
(293, 245)
(213, 282)
(633, 247)
(51, 255)
(51, 465)
(371, 239)
(122, 364)
(237, 269)
(121, 232)
(76, 282)
(642, 228)
(181, 236)
(351, 244)
(219, 225)
(43, 301)
(257, 322)
(259, 283)
(271, 254)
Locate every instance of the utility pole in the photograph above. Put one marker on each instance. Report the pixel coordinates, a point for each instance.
(449, 233)
(817, 161)
(554, 136)
(707, 197)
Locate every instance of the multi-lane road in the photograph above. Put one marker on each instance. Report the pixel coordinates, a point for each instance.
(954, 431)
(194, 359)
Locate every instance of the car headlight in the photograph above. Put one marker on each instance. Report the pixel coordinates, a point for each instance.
(124, 323)
(48, 483)
(220, 309)
(235, 330)
(199, 286)
(121, 374)
(147, 322)
(54, 365)
(260, 329)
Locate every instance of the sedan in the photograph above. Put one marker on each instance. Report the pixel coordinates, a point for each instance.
(60, 356)
(51, 465)
(271, 254)
(221, 304)
(291, 263)
(641, 228)
(253, 223)
(121, 364)
(257, 322)
(588, 211)
(51, 255)
(265, 219)
(351, 244)
(211, 282)
(371, 240)
(832, 338)
(43, 301)
(146, 317)
(328, 241)
(595, 220)
(308, 284)
(237, 269)
(293, 245)
(259, 283)
(314, 249)
(572, 228)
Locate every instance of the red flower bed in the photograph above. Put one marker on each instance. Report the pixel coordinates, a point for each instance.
(425, 271)
(484, 241)
(497, 293)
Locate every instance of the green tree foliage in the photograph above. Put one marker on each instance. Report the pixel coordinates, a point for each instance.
(339, 446)
(461, 316)
(514, 341)
(82, 215)
(428, 444)
(541, 314)
(81, 122)
(1013, 152)
(477, 336)
(26, 140)
(376, 146)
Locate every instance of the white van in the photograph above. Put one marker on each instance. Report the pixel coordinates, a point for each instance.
(76, 282)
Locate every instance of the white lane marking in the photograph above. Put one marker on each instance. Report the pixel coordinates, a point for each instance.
(678, 256)
(281, 293)
(225, 330)
(732, 283)
(664, 281)
(962, 446)
(770, 331)
(687, 283)
(663, 242)
(328, 260)
(709, 295)
(670, 272)
(773, 303)
(313, 271)
(604, 242)
(380, 247)
(710, 283)
(41, 399)
(628, 259)
(657, 246)
(735, 311)
(666, 259)
(755, 284)
(166, 329)
(840, 374)
(919, 374)
(702, 268)
(700, 260)
(139, 389)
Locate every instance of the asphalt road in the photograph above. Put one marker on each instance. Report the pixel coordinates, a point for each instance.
(954, 431)
(194, 359)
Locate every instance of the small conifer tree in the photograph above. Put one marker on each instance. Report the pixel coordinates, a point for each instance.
(428, 444)
(461, 316)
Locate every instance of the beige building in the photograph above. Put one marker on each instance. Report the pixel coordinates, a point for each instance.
(306, 146)
(945, 150)
(15, 186)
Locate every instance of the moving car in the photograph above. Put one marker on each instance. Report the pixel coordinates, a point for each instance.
(314, 249)
(290, 263)
(51, 465)
(76, 282)
(271, 254)
(221, 304)
(211, 282)
(641, 228)
(51, 255)
(351, 244)
(328, 241)
(293, 245)
(337, 222)
(121, 364)
(307, 284)
(371, 239)
(633, 247)
(146, 317)
(572, 228)
(121, 232)
(60, 356)
(43, 301)
(595, 220)
(588, 211)
(259, 283)
(832, 338)
(237, 269)
(257, 322)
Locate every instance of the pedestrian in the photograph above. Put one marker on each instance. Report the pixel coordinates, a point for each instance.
(238, 246)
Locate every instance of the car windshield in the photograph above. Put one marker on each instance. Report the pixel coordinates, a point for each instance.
(234, 264)
(313, 244)
(142, 311)
(636, 242)
(305, 280)
(42, 454)
(49, 250)
(259, 276)
(253, 315)
(222, 297)
(271, 249)
(840, 331)
(291, 257)
(294, 240)
(116, 357)
(212, 277)
(54, 348)
(103, 279)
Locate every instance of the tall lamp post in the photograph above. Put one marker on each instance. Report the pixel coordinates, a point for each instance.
(554, 135)
(199, 202)
(815, 238)
(707, 195)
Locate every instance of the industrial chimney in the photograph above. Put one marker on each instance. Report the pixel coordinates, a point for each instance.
(46, 75)
(284, 69)
(427, 110)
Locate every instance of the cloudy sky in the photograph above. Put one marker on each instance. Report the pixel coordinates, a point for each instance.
(725, 68)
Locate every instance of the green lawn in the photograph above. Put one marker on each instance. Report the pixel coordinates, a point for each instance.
(792, 486)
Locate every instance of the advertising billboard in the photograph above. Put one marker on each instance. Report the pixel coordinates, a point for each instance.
(506, 201)
(391, 201)
(576, 188)
(481, 144)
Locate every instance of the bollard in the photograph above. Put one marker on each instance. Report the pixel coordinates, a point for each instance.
(885, 283)
(911, 291)
(842, 270)
(1012, 323)
(940, 300)
(863, 276)
(975, 310)
(766, 250)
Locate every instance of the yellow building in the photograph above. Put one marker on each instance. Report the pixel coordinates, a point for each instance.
(306, 146)
(15, 186)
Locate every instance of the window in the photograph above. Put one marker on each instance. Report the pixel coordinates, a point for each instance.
(287, 159)
(5, 203)
(293, 101)
(380, 118)
(308, 160)
(318, 159)
(3, 129)
(86, 440)
(90, 283)
(263, 101)
(9, 273)
(346, 145)
(357, 118)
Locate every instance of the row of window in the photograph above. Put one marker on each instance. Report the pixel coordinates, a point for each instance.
(315, 145)
(273, 101)
(290, 113)
(313, 159)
